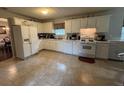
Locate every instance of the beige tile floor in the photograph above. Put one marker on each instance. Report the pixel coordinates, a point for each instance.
(53, 68)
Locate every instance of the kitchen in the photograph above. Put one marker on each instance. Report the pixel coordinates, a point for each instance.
(68, 44)
(58, 42)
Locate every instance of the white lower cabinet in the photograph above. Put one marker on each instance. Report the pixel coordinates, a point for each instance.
(76, 47)
(41, 45)
(102, 50)
(59, 46)
(73, 47)
(47, 44)
(64, 46)
(67, 45)
(27, 50)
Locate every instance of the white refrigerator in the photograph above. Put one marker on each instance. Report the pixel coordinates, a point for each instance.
(25, 40)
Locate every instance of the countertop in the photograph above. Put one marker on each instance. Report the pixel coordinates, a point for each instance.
(97, 42)
(59, 40)
(116, 41)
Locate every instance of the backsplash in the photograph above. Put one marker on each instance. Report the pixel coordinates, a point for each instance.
(88, 33)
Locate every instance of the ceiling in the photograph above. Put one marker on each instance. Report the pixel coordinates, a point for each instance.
(55, 12)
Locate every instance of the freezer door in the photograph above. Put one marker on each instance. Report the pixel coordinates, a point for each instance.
(25, 33)
(34, 40)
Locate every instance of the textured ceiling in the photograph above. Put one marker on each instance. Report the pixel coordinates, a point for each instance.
(55, 12)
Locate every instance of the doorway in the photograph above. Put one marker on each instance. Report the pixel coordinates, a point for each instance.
(5, 40)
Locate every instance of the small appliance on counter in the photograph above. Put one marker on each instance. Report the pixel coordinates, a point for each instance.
(101, 36)
(46, 35)
(73, 36)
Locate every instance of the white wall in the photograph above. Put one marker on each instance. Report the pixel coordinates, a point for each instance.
(116, 23)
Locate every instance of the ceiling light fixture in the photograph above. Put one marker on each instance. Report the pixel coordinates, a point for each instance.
(45, 12)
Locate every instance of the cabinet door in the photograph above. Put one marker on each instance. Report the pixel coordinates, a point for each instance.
(102, 24)
(54, 45)
(51, 45)
(33, 34)
(83, 22)
(25, 32)
(18, 21)
(67, 46)
(68, 26)
(39, 28)
(76, 45)
(41, 45)
(91, 23)
(34, 23)
(34, 39)
(46, 44)
(27, 49)
(102, 51)
(60, 46)
(48, 27)
(76, 25)
(44, 28)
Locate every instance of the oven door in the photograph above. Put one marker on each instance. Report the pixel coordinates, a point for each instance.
(87, 50)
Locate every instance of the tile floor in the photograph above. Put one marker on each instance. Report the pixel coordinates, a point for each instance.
(53, 69)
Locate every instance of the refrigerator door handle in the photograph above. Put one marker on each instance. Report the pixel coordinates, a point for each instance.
(26, 40)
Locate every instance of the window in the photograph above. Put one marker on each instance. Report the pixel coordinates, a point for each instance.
(59, 29)
(122, 34)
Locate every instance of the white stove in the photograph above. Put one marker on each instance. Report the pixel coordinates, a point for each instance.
(88, 48)
(87, 42)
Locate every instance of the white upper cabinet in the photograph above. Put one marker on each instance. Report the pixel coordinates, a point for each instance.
(47, 27)
(18, 21)
(68, 26)
(83, 22)
(102, 24)
(39, 27)
(91, 22)
(76, 25)
(32, 23)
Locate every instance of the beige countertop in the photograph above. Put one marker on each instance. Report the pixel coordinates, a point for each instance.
(73, 40)
(116, 41)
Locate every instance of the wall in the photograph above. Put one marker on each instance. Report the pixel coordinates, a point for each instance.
(116, 23)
